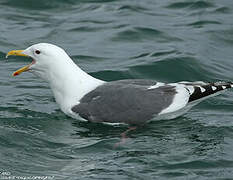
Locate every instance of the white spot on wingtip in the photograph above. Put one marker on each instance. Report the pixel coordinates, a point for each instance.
(213, 88)
(231, 85)
(202, 89)
(224, 87)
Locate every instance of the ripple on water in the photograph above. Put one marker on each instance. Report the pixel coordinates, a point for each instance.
(203, 23)
(133, 8)
(190, 5)
(138, 34)
(33, 4)
(172, 69)
(224, 10)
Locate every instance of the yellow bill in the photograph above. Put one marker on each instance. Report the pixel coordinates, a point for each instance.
(23, 69)
(18, 53)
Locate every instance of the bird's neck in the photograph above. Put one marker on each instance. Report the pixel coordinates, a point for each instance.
(70, 83)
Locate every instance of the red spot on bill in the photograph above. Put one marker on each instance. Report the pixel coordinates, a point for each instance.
(15, 74)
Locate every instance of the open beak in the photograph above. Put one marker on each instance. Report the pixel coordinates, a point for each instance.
(19, 53)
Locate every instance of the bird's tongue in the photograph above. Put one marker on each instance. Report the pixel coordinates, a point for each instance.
(23, 69)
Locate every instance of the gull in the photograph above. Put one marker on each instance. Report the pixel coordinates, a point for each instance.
(129, 101)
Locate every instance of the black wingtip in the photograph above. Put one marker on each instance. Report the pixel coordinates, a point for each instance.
(209, 89)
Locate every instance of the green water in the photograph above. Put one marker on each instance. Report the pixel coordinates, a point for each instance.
(166, 40)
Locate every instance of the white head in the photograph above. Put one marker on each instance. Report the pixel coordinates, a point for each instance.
(67, 81)
(46, 59)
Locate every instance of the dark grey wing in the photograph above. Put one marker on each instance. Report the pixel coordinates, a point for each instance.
(125, 102)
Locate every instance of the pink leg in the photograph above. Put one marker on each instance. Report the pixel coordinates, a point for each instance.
(124, 136)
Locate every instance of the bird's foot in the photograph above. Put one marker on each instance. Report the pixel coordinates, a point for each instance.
(124, 136)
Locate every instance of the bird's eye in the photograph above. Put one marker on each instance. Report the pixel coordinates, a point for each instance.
(37, 52)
